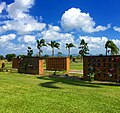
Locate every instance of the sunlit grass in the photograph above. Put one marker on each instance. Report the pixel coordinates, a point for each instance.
(20, 93)
(76, 66)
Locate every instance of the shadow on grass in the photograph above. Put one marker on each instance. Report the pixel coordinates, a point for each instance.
(49, 85)
(70, 80)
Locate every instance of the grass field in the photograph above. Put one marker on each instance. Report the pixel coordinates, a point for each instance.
(24, 93)
(76, 66)
(20, 93)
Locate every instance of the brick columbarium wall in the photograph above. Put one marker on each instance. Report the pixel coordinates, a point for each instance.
(16, 62)
(31, 65)
(105, 68)
(58, 63)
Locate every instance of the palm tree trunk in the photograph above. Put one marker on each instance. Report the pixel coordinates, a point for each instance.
(39, 53)
(52, 52)
(106, 51)
(69, 52)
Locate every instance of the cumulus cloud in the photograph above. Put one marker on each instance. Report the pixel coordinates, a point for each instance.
(20, 19)
(74, 19)
(6, 38)
(22, 23)
(2, 6)
(10, 47)
(23, 26)
(19, 8)
(97, 44)
(117, 42)
(27, 39)
(116, 28)
(54, 33)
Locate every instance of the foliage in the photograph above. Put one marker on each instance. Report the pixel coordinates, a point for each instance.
(10, 56)
(83, 48)
(46, 55)
(71, 56)
(68, 46)
(30, 51)
(114, 49)
(1, 57)
(40, 44)
(53, 44)
(59, 54)
(21, 56)
(100, 54)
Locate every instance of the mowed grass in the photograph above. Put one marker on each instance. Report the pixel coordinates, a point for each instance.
(76, 66)
(20, 93)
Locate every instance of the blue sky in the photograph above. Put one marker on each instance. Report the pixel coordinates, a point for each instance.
(22, 22)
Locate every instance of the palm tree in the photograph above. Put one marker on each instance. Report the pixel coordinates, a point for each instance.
(114, 49)
(30, 51)
(53, 44)
(68, 46)
(83, 48)
(40, 44)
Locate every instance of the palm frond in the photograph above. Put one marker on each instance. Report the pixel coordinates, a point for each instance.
(114, 49)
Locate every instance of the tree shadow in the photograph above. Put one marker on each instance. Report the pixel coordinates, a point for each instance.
(49, 85)
(70, 80)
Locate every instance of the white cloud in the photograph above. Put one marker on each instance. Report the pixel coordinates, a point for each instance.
(21, 21)
(74, 19)
(2, 6)
(116, 28)
(97, 44)
(117, 42)
(27, 39)
(54, 33)
(9, 47)
(54, 28)
(23, 26)
(19, 8)
(6, 38)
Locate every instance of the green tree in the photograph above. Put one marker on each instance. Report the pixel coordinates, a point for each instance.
(46, 55)
(1, 57)
(83, 48)
(30, 51)
(21, 56)
(10, 56)
(53, 44)
(40, 44)
(59, 54)
(68, 46)
(114, 49)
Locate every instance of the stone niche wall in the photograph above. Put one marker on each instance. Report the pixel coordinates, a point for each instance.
(16, 62)
(31, 65)
(58, 63)
(105, 68)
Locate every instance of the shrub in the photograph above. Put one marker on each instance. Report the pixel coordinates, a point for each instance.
(10, 56)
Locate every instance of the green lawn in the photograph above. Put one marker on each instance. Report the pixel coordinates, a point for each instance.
(20, 93)
(76, 66)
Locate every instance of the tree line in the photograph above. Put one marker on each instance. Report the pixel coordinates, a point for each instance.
(110, 47)
(84, 49)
